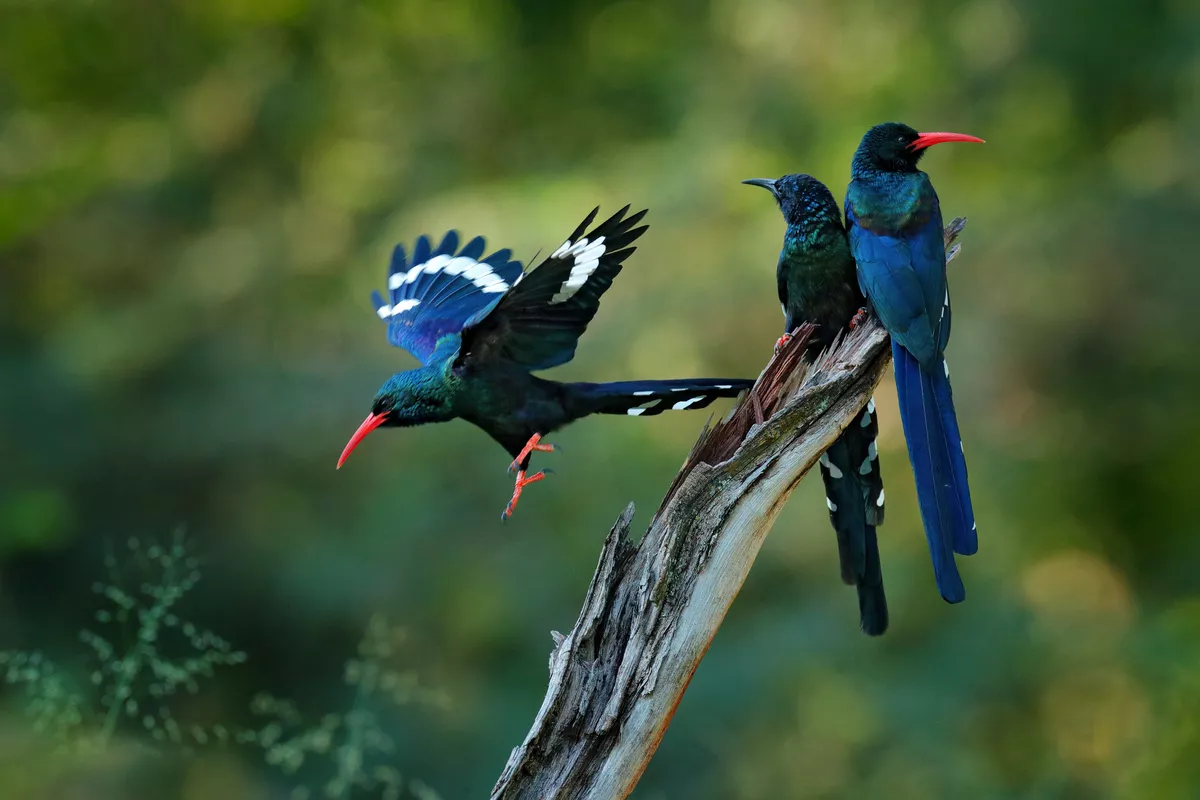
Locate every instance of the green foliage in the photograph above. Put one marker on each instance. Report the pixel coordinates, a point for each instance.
(142, 655)
(148, 654)
(54, 703)
(356, 750)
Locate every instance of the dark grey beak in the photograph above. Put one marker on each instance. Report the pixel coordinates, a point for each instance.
(765, 183)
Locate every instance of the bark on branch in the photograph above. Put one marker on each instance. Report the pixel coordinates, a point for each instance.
(653, 608)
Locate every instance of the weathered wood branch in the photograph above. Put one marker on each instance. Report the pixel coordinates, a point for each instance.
(653, 608)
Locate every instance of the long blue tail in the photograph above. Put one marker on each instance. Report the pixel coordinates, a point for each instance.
(854, 494)
(936, 452)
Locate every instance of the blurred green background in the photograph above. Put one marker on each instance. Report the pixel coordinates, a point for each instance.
(196, 198)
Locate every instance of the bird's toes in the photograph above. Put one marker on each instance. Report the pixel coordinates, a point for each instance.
(534, 478)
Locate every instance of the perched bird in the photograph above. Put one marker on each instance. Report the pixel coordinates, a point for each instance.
(817, 284)
(895, 227)
(480, 326)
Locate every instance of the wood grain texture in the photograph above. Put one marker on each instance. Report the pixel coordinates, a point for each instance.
(652, 608)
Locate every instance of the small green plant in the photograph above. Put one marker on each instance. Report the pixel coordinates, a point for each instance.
(353, 743)
(142, 654)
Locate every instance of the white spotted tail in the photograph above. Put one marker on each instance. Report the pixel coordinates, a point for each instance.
(854, 496)
(650, 398)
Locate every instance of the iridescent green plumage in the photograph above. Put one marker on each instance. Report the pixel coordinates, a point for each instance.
(817, 284)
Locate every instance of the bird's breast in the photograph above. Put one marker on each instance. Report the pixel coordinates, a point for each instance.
(892, 206)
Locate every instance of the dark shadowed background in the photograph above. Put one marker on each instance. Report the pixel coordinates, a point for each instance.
(196, 199)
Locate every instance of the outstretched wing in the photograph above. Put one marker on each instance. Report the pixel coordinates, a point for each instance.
(434, 297)
(538, 322)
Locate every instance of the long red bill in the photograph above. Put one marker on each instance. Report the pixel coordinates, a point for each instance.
(938, 137)
(372, 422)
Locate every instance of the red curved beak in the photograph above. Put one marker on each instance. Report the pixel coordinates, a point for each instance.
(938, 137)
(372, 422)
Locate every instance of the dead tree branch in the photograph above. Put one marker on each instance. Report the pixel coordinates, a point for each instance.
(653, 608)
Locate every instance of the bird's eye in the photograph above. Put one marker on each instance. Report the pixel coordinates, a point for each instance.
(899, 138)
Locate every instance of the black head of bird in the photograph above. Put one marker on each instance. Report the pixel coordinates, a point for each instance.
(895, 147)
(802, 198)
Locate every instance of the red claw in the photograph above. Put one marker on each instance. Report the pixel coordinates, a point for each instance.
(522, 482)
(533, 444)
(781, 341)
(858, 319)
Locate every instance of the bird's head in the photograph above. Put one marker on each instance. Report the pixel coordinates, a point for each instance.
(405, 399)
(802, 198)
(895, 147)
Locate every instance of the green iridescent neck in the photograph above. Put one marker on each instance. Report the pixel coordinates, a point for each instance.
(415, 396)
(818, 234)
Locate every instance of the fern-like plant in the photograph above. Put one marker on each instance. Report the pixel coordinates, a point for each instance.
(142, 654)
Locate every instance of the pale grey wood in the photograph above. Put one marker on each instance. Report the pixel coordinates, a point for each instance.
(653, 608)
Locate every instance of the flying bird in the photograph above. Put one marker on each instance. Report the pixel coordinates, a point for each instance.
(480, 325)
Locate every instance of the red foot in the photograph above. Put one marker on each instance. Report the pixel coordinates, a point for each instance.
(522, 482)
(530, 446)
(781, 341)
(858, 319)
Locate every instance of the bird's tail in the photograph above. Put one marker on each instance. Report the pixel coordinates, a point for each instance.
(647, 398)
(936, 452)
(854, 494)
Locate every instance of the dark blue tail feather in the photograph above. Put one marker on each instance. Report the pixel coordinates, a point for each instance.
(934, 447)
(966, 540)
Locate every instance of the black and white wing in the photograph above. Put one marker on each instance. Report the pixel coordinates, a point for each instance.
(538, 322)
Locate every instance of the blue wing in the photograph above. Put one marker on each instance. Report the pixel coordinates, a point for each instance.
(903, 274)
(432, 299)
